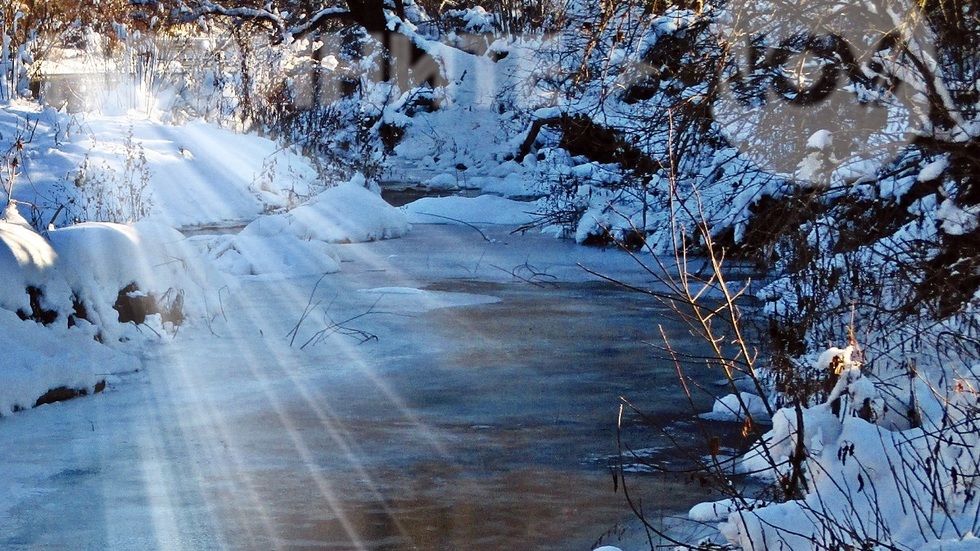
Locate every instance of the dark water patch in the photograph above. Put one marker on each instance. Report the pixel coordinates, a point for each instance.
(401, 195)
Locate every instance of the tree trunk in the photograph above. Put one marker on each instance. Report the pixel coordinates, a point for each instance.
(406, 64)
(369, 14)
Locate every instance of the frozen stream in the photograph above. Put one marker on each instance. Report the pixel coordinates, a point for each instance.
(479, 414)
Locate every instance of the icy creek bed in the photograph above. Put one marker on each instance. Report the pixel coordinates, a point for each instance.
(466, 399)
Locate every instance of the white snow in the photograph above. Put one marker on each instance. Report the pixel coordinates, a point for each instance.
(957, 221)
(933, 170)
(38, 359)
(821, 139)
(299, 241)
(485, 209)
(729, 408)
(139, 183)
(26, 259)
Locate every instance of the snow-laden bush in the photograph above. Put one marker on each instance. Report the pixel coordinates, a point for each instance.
(863, 485)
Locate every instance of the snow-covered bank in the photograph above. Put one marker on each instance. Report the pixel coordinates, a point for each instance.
(125, 274)
(74, 286)
(100, 168)
(38, 360)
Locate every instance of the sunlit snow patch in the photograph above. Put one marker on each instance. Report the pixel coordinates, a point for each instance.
(27, 260)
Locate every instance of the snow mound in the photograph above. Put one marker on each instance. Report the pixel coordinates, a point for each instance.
(78, 274)
(348, 213)
(99, 259)
(281, 255)
(298, 242)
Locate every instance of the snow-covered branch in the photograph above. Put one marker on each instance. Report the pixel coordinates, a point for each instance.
(283, 25)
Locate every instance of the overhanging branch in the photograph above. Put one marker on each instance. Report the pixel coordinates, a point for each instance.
(282, 27)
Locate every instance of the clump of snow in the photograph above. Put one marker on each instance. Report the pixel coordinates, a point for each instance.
(730, 408)
(933, 170)
(855, 170)
(956, 220)
(821, 139)
(714, 511)
(475, 20)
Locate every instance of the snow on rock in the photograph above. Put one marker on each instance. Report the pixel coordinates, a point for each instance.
(443, 181)
(28, 260)
(485, 209)
(713, 511)
(821, 139)
(98, 260)
(729, 408)
(38, 359)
